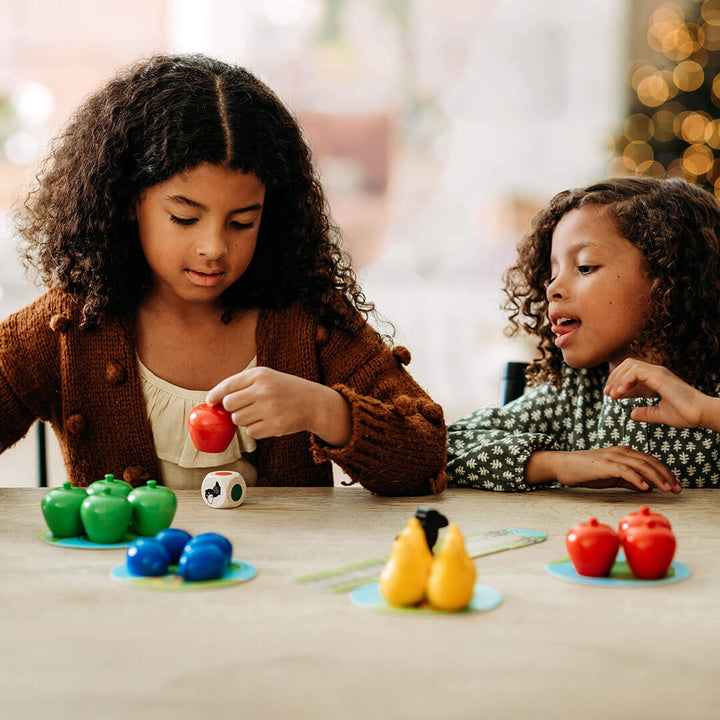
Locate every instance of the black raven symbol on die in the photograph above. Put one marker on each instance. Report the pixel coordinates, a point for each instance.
(212, 492)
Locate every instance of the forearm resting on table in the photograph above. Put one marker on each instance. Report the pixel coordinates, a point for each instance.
(540, 467)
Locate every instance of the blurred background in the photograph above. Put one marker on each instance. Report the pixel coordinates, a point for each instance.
(438, 128)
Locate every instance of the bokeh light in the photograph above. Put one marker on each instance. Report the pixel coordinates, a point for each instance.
(712, 134)
(693, 127)
(654, 90)
(664, 25)
(663, 121)
(638, 127)
(688, 76)
(697, 160)
(711, 12)
(711, 35)
(638, 156)
(673, 127)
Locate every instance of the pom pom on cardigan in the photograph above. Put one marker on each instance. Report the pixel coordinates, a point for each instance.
(135, 475)
(114, 373)
(439, 482)
(59, 323)
(405, 405)
(402, 354)
(322, 335)
(76, 424)
(430, 411)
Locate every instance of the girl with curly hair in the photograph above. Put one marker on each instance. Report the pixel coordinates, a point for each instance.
(184, 238)
(619, 283)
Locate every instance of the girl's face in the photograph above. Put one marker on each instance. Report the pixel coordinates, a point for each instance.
(599, 292)
(198, 231)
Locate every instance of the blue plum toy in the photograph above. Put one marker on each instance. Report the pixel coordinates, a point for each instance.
(147, 557)
(219, 541)
(203, 561)
(174, 540)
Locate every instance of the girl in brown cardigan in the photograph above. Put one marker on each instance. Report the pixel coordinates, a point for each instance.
(182, 231)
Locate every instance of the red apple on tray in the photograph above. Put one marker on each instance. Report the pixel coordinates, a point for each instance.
(640, 517)
(649, 549)
(211, 428)
(592, 548)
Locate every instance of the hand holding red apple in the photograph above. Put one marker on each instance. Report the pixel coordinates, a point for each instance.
(270, 403)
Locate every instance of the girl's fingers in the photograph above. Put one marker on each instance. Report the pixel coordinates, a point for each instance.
(246, 416)
(257, 430)
(654, 471)
(648, 469)
(642, 471)
(647, 414)
(237, 401)
(629, 486)
(631, 374)
(642, 481)
(231, 384)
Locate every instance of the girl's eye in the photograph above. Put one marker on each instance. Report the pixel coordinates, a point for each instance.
(586, 269)
(183, 221)
(242, 226)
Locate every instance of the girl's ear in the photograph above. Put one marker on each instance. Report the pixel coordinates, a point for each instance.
(132, 215)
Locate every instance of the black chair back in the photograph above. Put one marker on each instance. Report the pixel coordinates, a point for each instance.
(512, 384)
(42, 454)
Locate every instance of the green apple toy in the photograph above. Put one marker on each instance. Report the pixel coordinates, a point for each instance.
(153, 508)
(106, 517)
(61, 510)
(117, 487)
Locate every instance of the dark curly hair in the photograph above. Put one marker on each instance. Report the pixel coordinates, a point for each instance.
(676, 226)
(159, 117)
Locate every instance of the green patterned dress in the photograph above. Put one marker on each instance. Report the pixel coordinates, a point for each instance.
(488, 449)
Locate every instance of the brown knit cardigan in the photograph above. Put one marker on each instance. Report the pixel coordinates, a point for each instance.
(86, 384)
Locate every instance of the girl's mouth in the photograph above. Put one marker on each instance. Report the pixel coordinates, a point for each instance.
(564, 327)
(204, 279)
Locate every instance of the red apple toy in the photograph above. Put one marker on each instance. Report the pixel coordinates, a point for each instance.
(592, 548)
(211, 428)
(649, 549)
(640, 517)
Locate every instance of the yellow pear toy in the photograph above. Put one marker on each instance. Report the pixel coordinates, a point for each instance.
(403, 578)
(452, 576)
(414, 530)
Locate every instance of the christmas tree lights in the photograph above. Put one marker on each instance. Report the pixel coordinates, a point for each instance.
(673, 128)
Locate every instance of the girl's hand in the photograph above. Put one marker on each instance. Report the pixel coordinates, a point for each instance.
(617, 466)
(271, 403)
(681, 405)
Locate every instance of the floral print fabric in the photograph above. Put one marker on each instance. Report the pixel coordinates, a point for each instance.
(488, 449)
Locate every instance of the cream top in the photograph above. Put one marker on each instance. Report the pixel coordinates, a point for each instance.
(182, 466)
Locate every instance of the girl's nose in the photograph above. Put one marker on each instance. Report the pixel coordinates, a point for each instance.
(554, 289)
(211, 245)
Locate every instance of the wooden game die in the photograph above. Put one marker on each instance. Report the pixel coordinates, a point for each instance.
(223, 489)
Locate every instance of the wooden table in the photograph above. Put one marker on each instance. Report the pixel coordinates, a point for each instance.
(77, 644)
